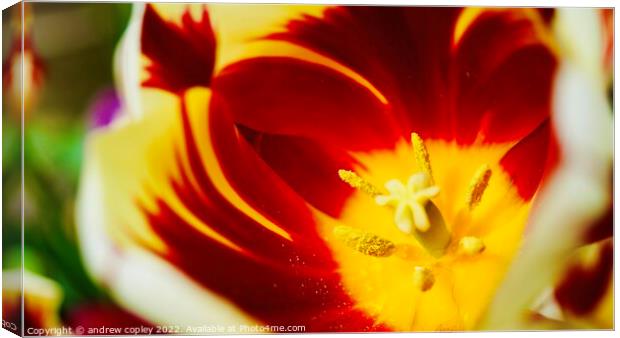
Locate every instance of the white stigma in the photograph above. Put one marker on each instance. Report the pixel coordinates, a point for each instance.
(410, 201)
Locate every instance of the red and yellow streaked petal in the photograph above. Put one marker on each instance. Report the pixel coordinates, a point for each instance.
(180, 55)
(411, 81)
(503, 66)
(240, 26)
(530, 159)
(185, 214)
(292, 97)
(463, 86)
(307, 166)
(172, 46)
(119, 246)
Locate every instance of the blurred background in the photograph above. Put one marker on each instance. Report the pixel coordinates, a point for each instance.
(68, 53)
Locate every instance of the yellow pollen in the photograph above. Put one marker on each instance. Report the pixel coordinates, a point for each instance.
(364, 242)
(421, 156)
(478, 185)
(410, 201)
(357, 182)
(471, 245)
(423, 278)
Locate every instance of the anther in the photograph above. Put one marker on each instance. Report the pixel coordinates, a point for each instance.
(357, 182)
(477, 186)
(421, 156)
(471, 245)
(423, 278)
(364, 242)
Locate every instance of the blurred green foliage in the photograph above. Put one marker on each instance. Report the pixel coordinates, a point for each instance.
(76, 42)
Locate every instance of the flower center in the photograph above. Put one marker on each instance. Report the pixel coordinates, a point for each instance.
(442, 278)
(415, 214)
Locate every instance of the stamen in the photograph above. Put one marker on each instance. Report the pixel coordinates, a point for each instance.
(423, 278)
(471, 245)
(358, 183)
(421, 156)
(478, 185)
(364, 242)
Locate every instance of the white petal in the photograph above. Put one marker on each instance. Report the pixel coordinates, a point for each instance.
(170, 297)
(117, 163)
(127, 66)
(577, 192)
(580, 34)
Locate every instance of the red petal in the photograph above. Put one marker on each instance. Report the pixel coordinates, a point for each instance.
(530, 159)
(505, 75)
(182, 56)
(282, 290)
(546, 14)
(251, 177)
(276, 280)
(403, 51)
(604, 227)
(495, 82)
(584, 286)
(292, 97)
(307, 166)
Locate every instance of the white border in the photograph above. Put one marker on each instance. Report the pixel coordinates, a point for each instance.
(528, 3)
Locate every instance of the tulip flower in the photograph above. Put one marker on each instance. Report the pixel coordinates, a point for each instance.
(341, 169)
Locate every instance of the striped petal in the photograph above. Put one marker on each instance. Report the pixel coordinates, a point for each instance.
(293, 97)
(449, 73)
(190, 198)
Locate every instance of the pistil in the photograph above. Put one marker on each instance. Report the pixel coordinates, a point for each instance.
(414, 212)
(409, 202)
